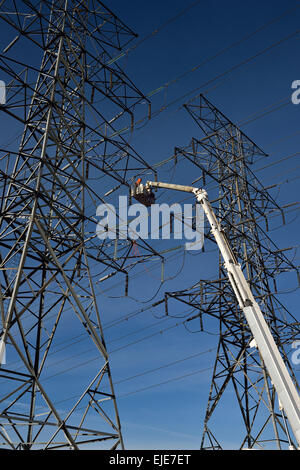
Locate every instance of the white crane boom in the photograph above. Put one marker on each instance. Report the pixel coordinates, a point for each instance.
(287, 393)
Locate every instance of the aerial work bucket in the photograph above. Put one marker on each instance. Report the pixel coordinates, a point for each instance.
(142, 193)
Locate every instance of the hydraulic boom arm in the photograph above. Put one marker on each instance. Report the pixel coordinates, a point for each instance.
(287, 393)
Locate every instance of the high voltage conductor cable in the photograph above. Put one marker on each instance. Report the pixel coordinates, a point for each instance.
(126, 318)
(149, 387)
(155, 31)
(222, 51)
(118, 321)
(111, 341)
(130, 315)
(144, 389)
(286, 158)
(35, 283)
(126, 345)
(163, 108)
(245, 121)
(179, 361)
(154, 370)
(54, 240)
(171, 257)
(212, 80)
(278, 162)
(115, 323)
(153, 267)
(266, 111)
(209, 59)
(194, 68)
(240, 64)
(286, 137)
(160, 332)
(258, 169)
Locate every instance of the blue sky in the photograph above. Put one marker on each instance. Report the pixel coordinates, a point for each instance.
(250, 81)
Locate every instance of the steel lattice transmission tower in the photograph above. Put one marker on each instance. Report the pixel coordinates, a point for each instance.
(71, 107)
(223, 156)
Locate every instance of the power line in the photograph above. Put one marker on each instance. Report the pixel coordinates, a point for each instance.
(144, 389)
(278, 161)
(96, 358)
(266, 111)
(222, 51)
(179, 361)
(129, 344)
(131, 315)
(209, 59)
(235, 67)
(210, 81)
(156, 31)
(150, 371)
(176, 256)
(127, 317)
